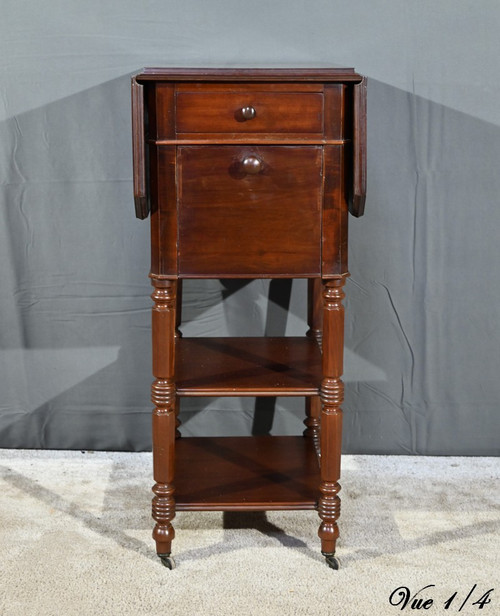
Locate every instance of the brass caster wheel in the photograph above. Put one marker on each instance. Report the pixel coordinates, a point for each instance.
(167, 561)
(332, 562)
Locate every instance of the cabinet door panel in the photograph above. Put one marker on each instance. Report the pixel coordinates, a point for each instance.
(249, 211)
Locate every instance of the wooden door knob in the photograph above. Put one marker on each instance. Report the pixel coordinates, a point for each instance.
(252, 165)
(248, 113)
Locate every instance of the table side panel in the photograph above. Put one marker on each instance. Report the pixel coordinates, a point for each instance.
(335, 213)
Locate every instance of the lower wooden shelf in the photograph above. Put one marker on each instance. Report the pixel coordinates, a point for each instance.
(259, 473)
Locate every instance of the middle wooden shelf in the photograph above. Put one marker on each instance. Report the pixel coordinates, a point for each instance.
(264, 366)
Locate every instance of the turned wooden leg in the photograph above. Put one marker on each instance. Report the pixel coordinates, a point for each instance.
(178, 334)
(178, 310)
(163, 396)
(315, 322)
(315, 309)
(312, 420)
(332, 395)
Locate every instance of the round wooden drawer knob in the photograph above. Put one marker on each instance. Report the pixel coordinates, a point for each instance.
(248, 113)
(252, 165)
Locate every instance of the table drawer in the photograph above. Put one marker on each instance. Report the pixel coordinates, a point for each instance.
(249, 210)
(249, 112)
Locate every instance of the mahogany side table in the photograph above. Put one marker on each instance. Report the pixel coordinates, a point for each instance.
(249, 173)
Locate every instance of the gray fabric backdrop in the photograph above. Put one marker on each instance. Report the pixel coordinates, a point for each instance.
(422, 332)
